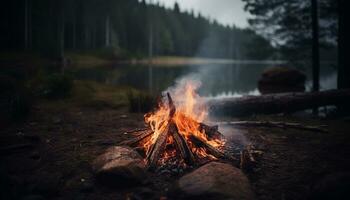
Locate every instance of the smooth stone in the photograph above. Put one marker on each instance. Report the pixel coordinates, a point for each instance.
(215, 181)
(120, 165)
(280, 80)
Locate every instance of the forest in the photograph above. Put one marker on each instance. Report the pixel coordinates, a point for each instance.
(127, 27)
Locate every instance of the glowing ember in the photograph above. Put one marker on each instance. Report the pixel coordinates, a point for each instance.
(178, 129)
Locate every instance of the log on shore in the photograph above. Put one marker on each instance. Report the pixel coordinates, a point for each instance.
(282, 125)
(278, 103)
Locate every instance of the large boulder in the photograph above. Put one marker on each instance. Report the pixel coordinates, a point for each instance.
(214, 181)
(281, 79)
(119, 166)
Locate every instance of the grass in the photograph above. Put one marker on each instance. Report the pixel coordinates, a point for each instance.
(97, 95)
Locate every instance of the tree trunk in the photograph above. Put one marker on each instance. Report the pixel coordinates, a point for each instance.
(343, 62)
(315, 49)
(107, 32)
(74, 32)
(26, 25)
(278, 103)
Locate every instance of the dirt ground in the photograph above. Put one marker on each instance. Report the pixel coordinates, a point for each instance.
(48, 156)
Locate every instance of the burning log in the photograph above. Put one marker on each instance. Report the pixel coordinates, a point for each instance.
(157, 149)
(212, 150)
(181, 145)
(176, 134)
(212, 132)
(278, 103)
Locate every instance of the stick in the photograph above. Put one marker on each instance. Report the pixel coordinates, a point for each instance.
(275, 124)
(171, 106)
(134, 141)
(212, 150)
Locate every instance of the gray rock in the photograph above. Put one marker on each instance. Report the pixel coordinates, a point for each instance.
(120, 166)
(281, 79)
(215, 181)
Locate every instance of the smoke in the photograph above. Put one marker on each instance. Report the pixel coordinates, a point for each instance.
(186, 99)
(203, 80)
(185, 96)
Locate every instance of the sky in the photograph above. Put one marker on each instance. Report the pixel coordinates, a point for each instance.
(227, 12)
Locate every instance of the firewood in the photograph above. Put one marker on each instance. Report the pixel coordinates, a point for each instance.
(181, 145)
(135, 141)
(171, 106)
(157, 149)
(275, 124)
(211, 150)
(212, 132)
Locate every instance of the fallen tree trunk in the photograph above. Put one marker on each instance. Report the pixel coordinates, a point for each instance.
(277, 103)
(282, 125)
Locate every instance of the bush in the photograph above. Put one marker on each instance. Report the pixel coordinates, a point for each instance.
(57, 86)
(141, 102)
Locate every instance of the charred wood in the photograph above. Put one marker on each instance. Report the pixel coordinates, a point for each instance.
(212, 132)
(181, 145)
(157, 149)
(211, 150)
(139, 138)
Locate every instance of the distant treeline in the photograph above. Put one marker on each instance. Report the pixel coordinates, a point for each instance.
(130, 27)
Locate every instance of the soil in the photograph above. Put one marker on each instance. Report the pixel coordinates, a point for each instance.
(57, 147)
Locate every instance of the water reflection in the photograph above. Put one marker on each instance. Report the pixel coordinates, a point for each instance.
(217, 79)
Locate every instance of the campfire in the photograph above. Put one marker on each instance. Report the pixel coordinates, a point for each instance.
(176, 131)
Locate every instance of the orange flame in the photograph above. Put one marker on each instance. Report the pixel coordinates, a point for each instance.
(190, 112)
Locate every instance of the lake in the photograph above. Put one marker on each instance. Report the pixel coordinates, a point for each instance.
(218, 80)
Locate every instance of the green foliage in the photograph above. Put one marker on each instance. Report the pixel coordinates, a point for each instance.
(141, 102)
(57, 86)
(288, 24)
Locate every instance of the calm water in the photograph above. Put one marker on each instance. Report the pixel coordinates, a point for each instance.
(217, 80)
